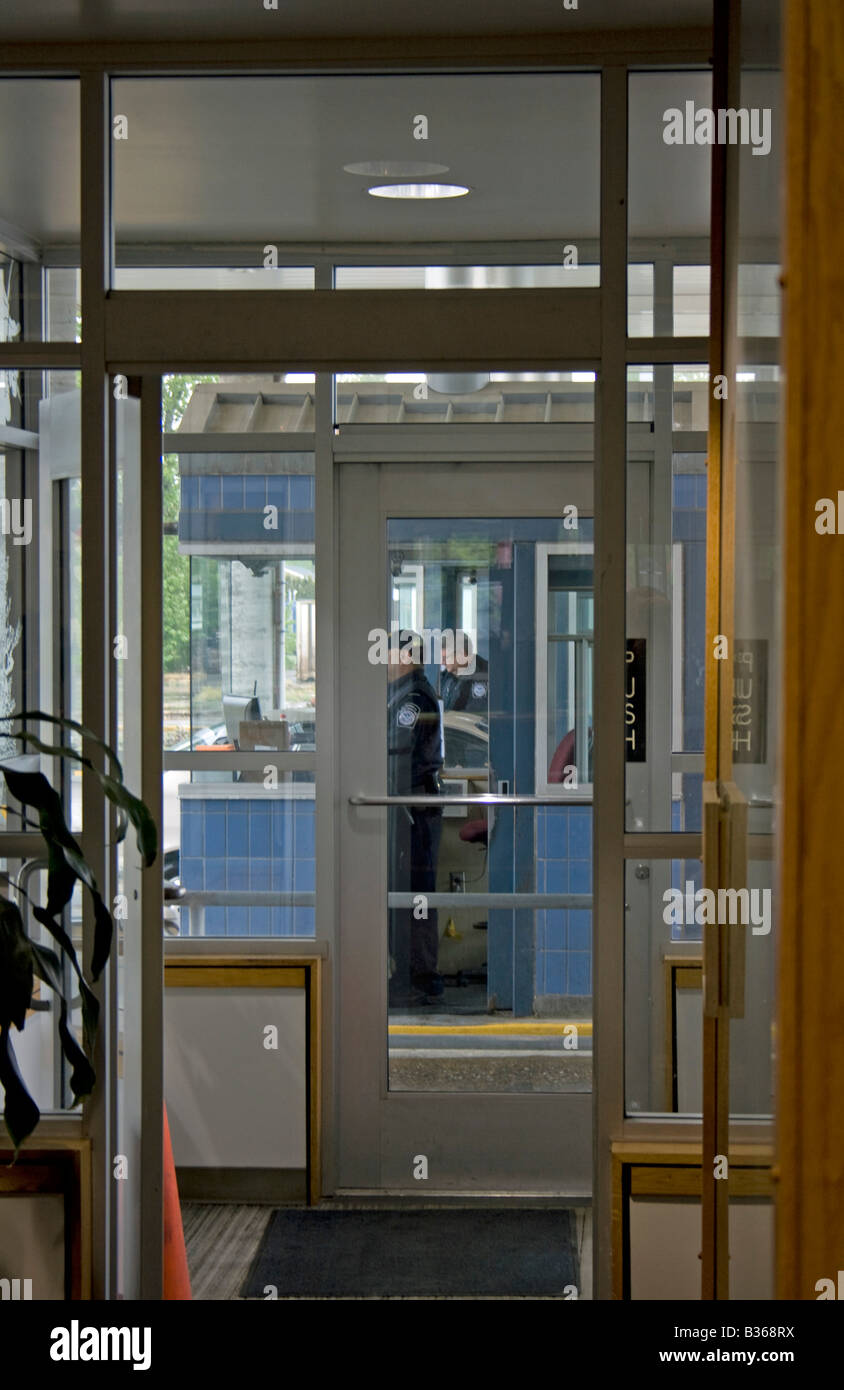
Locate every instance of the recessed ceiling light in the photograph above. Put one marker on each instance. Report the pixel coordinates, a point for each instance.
(395, 169)
(418, 190)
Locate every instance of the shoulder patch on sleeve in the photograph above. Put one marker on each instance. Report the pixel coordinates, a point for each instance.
(407, 715)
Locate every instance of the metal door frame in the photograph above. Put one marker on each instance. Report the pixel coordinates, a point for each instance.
(475, 1143)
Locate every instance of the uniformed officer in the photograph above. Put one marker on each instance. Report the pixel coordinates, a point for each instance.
(414, 759)
(464, 677)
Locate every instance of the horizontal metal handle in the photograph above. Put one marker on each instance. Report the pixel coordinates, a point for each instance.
(482, 799)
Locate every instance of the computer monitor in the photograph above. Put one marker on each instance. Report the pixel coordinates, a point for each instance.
(237, 709)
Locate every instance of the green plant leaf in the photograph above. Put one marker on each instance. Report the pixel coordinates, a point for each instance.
(145, 830)
(103, 934)
(20, 1112)
(38, 716)
(82, 1076)
(15, 966)
(48, 967)
(89, 1002)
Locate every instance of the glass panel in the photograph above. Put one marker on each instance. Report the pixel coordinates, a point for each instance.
(486, 994)
(569, 275)
(668, 201)
(239, 660)
(204, 277)
(469, 398)
(666, 597)
(261, 164)
(665, 920)
(39, 204)
(39, 556)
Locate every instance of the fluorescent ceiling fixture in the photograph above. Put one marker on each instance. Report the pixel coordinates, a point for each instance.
(299, 378)
(395, 169)
(405, 376)
(745, 376)
(583, 376)
(418, 190)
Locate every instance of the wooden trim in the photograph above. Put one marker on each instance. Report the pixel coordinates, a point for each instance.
(664, 1180)
(234, 977)
(61, 1166)
(810, 990)
(288, 971)
(674, 1170)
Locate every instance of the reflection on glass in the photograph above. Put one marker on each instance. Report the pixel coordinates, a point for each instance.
(469, 277)
(664, 990)
(464, 398)
(486, 994)
(239, 661)
(666, 597)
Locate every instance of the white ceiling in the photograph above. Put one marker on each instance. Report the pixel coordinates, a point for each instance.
(158, 20)
(261, 159)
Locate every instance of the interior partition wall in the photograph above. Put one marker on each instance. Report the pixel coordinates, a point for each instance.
(139, 335)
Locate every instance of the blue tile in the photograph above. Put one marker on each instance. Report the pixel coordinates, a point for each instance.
(210, 494)
(580, 834)
(700, 491)
(215, 875)
(303, 921)
(254, 493)
(685, 493)
(215, 834)
(260, 875)
(555, 972)
(232, 493)
(281, 921)
(580, 972)
(580, 930)
(189, 499)
(237, 875)
(192, 840)
(215, 921)
(259, 921)
(580, 876)
(301, 493)
(540, 973)
(238, 921)
(557, 833)
(278, 492)
(282, 875)
(259, 831)
(540, 932)
(556, 876)
(192, 872)
(540, 877)
(282, 831)
(555, 930)
(304, 875)
(237, 829)
(304, 842)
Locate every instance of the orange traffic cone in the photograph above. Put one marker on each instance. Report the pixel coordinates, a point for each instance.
(176, 1276)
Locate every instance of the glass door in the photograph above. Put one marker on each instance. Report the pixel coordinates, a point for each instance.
(466, 638)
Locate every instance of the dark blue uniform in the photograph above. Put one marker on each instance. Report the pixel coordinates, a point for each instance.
(464, 692)
(414, 759)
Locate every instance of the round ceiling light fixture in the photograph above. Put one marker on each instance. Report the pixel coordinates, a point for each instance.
(395, 169)
(418, 190)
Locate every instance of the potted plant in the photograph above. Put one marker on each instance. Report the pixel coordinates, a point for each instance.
(21, 958)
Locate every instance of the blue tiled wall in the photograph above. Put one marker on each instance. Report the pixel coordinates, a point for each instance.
(231, 507)
(250, 844)
(564, 865)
